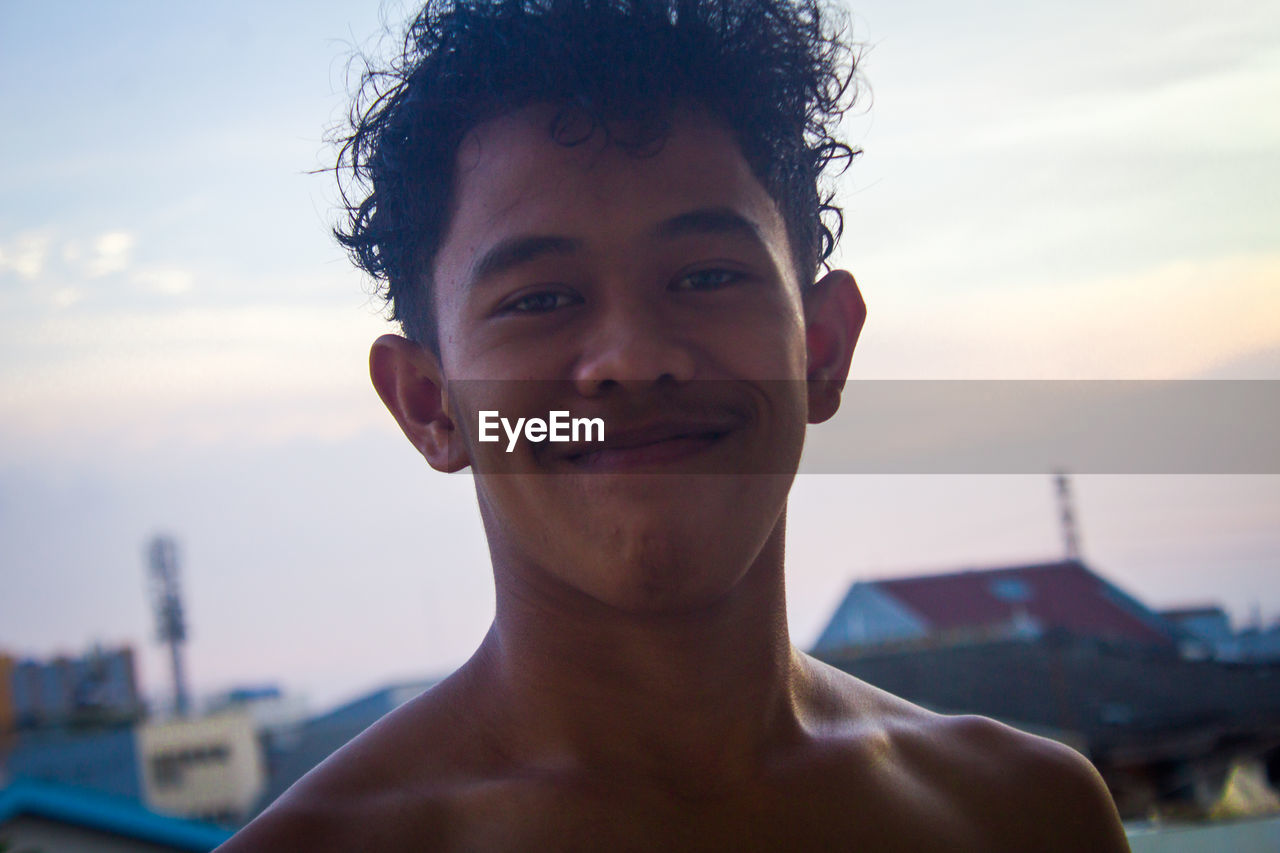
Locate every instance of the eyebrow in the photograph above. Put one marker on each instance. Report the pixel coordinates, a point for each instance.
(515, 251)
(710, 220)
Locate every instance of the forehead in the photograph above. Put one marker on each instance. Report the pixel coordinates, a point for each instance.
(513, 178)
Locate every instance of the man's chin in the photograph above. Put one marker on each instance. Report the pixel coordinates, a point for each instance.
(649, 590)
(659, 562)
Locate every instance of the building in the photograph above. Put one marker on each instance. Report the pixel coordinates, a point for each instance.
(1210, 625)
(51, 818)
(101, 758)
(273, 711)
(1163, 730)
(1020, 601)
(202, 767)
(100, 685)
(1058, 650)
(209, 768)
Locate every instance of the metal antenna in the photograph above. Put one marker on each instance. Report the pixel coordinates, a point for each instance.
(1067, 514)
(166, 601)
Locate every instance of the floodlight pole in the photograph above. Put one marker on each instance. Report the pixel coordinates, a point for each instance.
(166, 601)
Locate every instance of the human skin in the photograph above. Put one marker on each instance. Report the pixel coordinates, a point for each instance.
(638, 689)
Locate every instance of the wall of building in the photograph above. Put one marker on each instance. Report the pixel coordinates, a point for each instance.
(207, 767)
(97, 759)
(867, 616)
(101, 683)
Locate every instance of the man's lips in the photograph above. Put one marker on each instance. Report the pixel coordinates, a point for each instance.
(643, 446)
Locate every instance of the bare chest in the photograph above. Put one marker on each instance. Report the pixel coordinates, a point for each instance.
(524, 818)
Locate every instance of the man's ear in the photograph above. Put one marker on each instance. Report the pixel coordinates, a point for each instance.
(834, 313)
(411, 384)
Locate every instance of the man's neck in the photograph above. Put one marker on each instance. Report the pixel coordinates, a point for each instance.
(691, 701)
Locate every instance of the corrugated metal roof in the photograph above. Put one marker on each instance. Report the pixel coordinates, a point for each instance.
(1063, 595)
(102, 812)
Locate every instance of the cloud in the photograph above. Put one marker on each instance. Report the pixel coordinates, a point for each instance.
(188, 375)
(111, 253)
(1214, 111)
(165, 280)
(65, 297)
(26, 253)
(60, 265)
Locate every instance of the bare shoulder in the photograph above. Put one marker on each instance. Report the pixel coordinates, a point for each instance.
(393, 787)
(1016, 790)
(1047, 792)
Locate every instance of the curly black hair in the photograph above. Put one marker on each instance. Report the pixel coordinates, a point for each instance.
(776, 73)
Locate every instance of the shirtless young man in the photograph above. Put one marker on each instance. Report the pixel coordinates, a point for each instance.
(612, 208)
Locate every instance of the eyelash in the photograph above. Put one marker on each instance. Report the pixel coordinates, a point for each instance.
(724, 279)
(561, 300)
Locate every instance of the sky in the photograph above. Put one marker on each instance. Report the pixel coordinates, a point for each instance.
(1084, 190)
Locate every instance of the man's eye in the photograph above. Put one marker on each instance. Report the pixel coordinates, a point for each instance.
(539, 303)
(706, 280)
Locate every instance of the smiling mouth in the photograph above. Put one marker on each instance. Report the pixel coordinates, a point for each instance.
(645, 449)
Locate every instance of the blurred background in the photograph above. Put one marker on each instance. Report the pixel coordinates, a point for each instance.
(1085, 190)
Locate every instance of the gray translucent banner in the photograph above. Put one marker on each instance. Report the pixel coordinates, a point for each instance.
(1038, 426)
(884, 427)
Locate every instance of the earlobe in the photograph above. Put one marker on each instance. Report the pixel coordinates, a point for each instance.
(834, 313)
(410, 382)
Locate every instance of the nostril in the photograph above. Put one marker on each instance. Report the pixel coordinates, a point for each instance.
(632, 348)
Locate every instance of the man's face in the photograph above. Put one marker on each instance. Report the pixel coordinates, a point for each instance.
(656, 292)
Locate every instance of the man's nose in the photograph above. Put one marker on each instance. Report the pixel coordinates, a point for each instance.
(633, 347)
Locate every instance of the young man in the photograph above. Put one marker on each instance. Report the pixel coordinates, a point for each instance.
(612, 209)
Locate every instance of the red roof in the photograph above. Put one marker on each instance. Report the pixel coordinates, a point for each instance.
(1056, 595)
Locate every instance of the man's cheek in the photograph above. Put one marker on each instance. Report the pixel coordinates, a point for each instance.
(507, 424)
